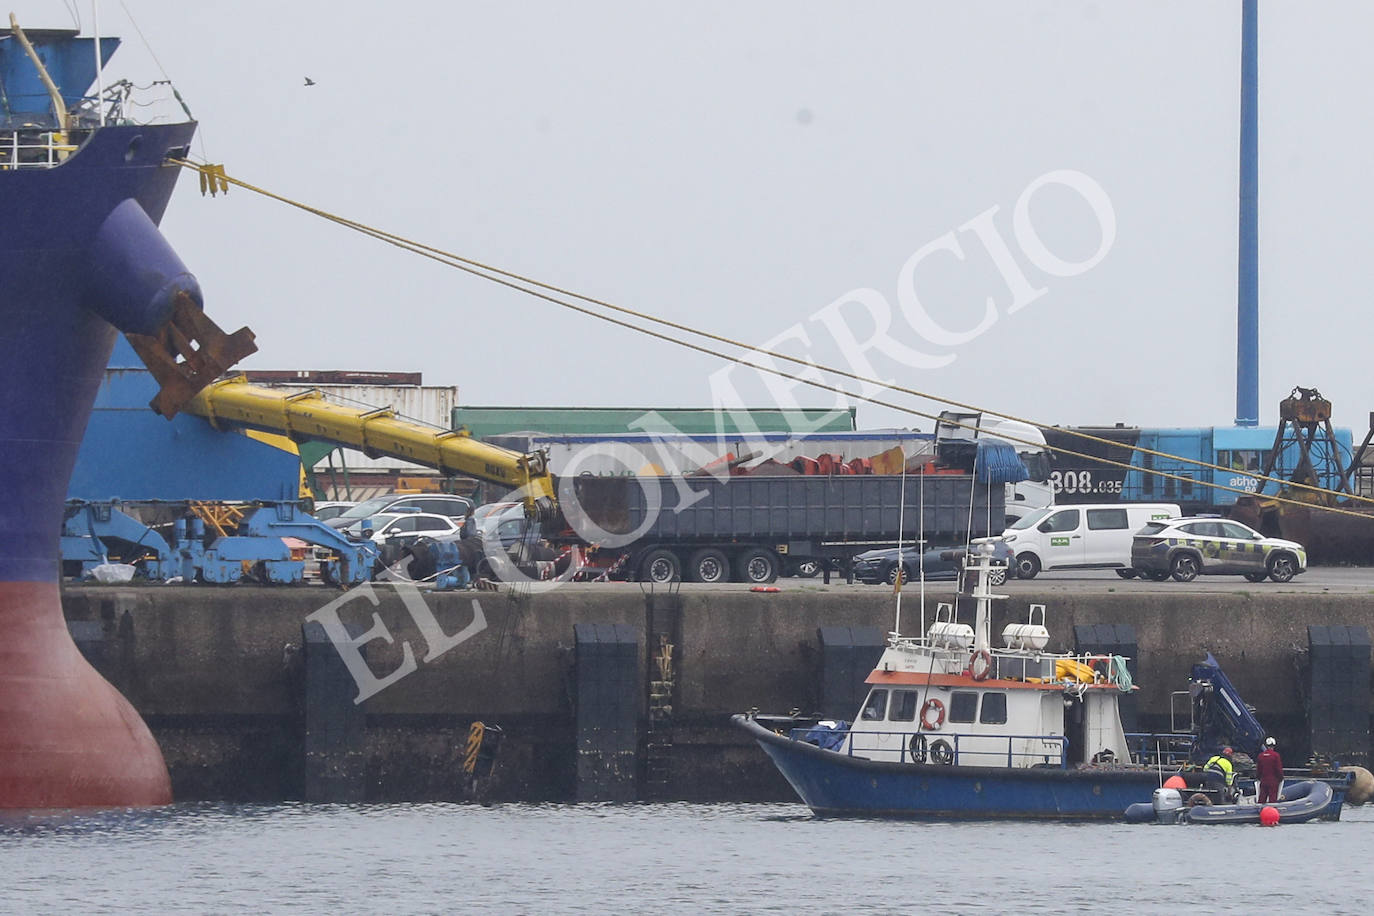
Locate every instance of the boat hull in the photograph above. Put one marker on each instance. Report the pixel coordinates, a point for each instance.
(67, 738)
(834, 784)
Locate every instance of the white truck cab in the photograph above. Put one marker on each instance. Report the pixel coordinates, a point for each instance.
(1086, 536)
(1027, 496)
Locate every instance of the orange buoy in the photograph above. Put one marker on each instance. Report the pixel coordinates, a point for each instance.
(1269, 816)
(765, 588)
(1175, 782)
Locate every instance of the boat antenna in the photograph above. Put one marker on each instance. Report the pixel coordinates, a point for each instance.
(99, 62)
(921, 535)
(901, 567)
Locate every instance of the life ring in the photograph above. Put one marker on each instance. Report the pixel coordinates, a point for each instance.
(929, 722)
(917, 747)
(981, 666)
(941, 753)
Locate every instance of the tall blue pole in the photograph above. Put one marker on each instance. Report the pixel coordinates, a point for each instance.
(1247, 281)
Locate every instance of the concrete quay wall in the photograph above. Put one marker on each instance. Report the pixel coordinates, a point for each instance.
(220, 675)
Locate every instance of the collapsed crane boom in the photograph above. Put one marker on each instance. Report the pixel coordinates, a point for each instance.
(308, 415)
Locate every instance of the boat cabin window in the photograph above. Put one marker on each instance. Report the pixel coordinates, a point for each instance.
(876, 706)
(963, 706)
(904, 704)
(994, 709)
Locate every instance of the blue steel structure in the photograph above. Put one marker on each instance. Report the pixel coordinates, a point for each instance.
(1241, 451)
(1247, 280)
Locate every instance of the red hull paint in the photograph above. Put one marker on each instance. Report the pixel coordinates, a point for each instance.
(69, 739)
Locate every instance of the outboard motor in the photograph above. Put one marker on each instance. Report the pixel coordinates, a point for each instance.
(1168, 804)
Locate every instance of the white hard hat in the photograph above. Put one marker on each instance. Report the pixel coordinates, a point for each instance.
(1269, 742)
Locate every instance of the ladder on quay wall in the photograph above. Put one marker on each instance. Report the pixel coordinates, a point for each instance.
(658, 739)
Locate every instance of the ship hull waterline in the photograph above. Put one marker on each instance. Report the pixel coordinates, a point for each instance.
(834, 784)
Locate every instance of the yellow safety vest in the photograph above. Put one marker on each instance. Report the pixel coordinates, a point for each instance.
(1222, 764)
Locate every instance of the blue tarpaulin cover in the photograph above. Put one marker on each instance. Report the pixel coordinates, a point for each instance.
(827, 737)
(998, 462)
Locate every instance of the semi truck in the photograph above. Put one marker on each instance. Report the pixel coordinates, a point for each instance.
(749, 529)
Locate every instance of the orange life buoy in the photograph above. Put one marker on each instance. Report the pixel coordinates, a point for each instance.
(981, 666)
(929, 722)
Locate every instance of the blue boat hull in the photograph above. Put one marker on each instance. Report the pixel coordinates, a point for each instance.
(833, 784)
(80, 260)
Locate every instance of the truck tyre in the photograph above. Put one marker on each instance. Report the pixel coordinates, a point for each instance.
(708, 565)
(660, 566)
(1184, 567)
(1283, 567)
(757, 566)
(1027, 566)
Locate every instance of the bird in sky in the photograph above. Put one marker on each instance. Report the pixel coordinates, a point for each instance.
(309, 81)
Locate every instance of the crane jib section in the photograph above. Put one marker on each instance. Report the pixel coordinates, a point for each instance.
(309, 416)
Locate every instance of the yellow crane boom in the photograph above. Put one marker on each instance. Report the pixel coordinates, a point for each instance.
(307, 415)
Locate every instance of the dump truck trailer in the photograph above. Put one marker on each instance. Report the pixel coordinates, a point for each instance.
(744, 529)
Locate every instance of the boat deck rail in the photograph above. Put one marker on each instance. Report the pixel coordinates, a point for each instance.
(1165, 749)
(949, 748)
(33, 148)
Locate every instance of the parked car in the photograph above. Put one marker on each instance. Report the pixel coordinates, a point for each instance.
(458, 507)
(325, 510)
(940, 563)
(403, 528)
(1082, 536)
(1186, 548)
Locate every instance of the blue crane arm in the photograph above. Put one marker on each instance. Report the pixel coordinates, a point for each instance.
(1221, 716)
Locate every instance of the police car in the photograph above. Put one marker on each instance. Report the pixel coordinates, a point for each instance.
(1186, 548)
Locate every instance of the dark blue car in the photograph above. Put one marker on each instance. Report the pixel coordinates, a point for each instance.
(941, 563)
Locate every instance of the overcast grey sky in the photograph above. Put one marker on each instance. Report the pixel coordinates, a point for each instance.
(740, 167)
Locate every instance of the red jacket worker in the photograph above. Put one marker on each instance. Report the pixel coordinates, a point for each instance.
(1269, 769)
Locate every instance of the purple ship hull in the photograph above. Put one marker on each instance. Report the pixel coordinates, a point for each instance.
(81, 260)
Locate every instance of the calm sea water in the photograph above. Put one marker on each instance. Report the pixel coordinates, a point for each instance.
(663, 858)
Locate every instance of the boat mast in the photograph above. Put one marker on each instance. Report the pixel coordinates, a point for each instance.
(901, 567)
(99, 62)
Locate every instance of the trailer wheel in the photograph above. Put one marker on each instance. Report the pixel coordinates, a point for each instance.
(1027, 566)
(1283, 567)
(660, 566)
(757, 566)
(708, 565)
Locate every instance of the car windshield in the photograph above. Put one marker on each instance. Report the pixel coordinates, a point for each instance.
(369, 508)
(1030, 521)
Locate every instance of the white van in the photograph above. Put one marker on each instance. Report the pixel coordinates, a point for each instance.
(1082, 536)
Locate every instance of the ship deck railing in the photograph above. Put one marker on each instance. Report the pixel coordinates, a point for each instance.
(33, 148)
(1160, 749)
(963, 749)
